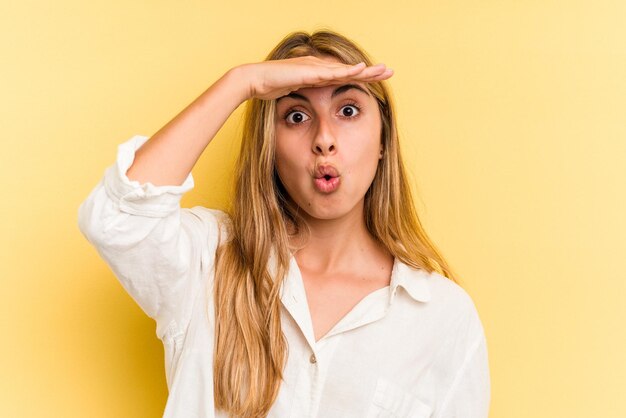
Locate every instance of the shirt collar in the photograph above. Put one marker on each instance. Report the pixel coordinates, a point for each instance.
(413, 281)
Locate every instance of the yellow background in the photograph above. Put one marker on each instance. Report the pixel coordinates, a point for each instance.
(512, 116)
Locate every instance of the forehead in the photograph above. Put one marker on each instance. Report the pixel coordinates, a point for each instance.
(328, 92)
(331, 90)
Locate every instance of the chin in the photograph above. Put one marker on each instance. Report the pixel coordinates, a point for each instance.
(325, 215)
(329, 212)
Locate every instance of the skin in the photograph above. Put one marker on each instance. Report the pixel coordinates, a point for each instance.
(341, 262)
(343, 132)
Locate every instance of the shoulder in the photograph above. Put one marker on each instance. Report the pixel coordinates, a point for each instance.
(446, 292)
(448, 303)
(432, 288)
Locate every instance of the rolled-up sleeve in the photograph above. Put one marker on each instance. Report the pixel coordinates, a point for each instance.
(144, 199)
(159, 251)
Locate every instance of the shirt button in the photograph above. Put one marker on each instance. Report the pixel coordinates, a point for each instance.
(313, 360)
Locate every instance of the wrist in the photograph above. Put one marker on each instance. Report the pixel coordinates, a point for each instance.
(240, 77)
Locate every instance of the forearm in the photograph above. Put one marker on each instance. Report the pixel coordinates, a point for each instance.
(170, 154)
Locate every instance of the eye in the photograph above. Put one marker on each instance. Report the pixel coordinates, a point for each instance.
(295, 117)
(350, 110)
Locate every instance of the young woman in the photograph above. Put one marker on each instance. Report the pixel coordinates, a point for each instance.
(319, 294)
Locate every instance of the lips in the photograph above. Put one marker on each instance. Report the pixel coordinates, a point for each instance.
(326, 170)
(326, 178)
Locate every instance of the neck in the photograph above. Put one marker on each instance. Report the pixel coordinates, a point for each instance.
(337, 244)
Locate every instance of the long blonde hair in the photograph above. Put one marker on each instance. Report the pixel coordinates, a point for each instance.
(250, 348)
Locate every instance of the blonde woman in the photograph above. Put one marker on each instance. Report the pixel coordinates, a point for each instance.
(319, 294)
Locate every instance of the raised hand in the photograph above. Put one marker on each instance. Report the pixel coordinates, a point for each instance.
(272, 79)
(179, 143)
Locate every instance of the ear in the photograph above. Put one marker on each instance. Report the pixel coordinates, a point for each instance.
(380, 155)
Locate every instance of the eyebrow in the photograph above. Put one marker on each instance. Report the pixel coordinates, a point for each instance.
(339, 90)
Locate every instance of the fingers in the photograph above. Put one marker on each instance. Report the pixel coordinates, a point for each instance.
(375, 73)
(354, 69)
(387, 73)
(359, 72)
(275, 77)
(323, 72)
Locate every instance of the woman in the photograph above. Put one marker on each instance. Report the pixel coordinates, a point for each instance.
(319, 294)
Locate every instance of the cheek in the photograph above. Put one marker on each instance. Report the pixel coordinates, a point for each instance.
(287, 145)
(366, 161)
(365, 148)
(287, 165)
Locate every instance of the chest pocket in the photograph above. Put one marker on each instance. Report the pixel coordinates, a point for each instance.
(391, 401)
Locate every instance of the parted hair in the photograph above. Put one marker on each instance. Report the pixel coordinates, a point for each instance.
(250, 349)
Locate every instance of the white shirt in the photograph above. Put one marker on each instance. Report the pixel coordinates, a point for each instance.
(415, 348)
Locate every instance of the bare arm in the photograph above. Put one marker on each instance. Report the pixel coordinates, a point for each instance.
(170, 154)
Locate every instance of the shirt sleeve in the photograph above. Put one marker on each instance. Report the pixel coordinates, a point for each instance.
(161, 253)
(470, 392)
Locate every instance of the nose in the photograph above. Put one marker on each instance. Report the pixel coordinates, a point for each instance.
(324, 142)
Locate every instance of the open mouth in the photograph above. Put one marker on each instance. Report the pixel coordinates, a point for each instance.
(327, 179)
(327, 184)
